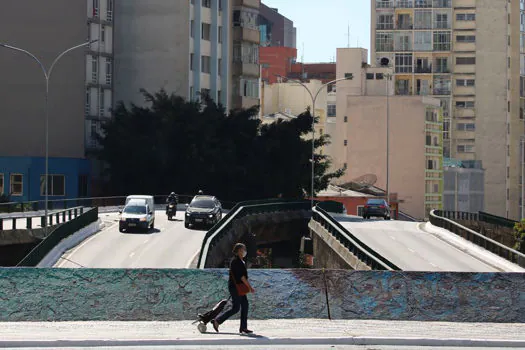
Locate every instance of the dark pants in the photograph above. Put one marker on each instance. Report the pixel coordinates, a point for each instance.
(239, 302)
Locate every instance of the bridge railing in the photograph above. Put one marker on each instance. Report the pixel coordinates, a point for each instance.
(240, 210)
(54, 218)
(359, 249)
(58, 234)
(496, 220)
(437, 219)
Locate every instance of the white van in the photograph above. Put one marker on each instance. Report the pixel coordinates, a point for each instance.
(137, 200)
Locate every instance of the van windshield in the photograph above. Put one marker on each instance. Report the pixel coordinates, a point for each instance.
(135, 209)
(375, 202)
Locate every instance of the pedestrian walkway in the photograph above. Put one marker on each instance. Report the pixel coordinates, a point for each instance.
(267, 333)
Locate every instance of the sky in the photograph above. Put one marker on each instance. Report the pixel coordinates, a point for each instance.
(323, 25)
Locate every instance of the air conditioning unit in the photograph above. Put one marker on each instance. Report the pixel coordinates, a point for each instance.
(384, 62)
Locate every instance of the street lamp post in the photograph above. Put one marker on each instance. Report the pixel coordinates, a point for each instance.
(388, 77)
(314, 98)
(47, 75)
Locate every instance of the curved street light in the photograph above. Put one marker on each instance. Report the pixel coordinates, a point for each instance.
(348, 76)
(47, 75)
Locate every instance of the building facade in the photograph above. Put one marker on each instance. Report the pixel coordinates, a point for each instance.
(245, 64)
(276, 29)
(180, 46)
(463, 189)
(415, 147)
(75, 92)
(470, 55)
(276, 61)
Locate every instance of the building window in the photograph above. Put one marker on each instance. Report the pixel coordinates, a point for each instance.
(465, 148)
(370, 76)
(423, 41)
(441, 65)
(83, 186)
(94, 69)
(402, 41)
(465, 38)
(441, 21)
(206, 30)
(56, 185)
(465, 82)
(384, 42)
(192, 28)
(466, 126)
(109, 71)
(331, 110)
(219, 4)
(345, 143)
(246, 53)
(101, 103)
(103, 34)
(403, 63)
(206, 64)
(465, 17)
(1, 184)
(192, 96)
(442, 3)
(385, 21)
(465, 60)
(250, 88)
(16, 185)
(191, 61)
(206, 3)
(96, 6)
(219, 96)
(508, 172)
(465, 104)
(379, 76)
(345, 120)
(109, 12)
(442, 41)
(436, 188)
(87, 110)
(219, 33)
(423, 19)
(219, 67)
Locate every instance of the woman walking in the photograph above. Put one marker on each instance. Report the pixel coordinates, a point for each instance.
(238, 286)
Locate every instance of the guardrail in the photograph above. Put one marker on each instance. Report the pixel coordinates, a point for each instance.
(477, 238)
(58, 234)
(457, 215)
(241, 210)
(91, 202)
(496, 220)
(360, 250)
(65, 215)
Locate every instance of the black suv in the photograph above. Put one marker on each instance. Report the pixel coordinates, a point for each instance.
(376, 208)
(203, 210)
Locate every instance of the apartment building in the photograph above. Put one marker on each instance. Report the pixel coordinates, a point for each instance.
(245, 63)
(276, 29)
(470, 54)
(180, 46)
(359, 135)
(79, 94)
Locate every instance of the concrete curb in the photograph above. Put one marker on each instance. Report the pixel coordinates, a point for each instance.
(261, 341)
(70, 242)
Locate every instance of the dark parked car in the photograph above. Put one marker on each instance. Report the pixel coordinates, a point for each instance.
(203, 210)
(376, 208)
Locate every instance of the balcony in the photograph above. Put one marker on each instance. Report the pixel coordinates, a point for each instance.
(423, 70)
(246, 34)
(245, 69)
(244, 102)
(441, 91)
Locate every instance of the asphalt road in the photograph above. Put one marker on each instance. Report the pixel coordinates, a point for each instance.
(411, 248)
(170, 245)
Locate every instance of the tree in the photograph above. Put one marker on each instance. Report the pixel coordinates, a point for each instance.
(519, 234)
(181, 146)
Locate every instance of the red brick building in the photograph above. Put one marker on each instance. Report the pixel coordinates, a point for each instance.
(319, 71)
(276, 60)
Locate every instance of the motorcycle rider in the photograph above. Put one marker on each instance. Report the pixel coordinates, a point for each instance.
(200, 193)
(172, 199)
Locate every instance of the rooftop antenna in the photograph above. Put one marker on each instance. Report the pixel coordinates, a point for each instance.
(348, 36)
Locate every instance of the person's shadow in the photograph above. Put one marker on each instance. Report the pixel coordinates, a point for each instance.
(253, 335)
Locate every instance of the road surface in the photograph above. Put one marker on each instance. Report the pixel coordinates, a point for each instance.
(170, 245)
(412, 249)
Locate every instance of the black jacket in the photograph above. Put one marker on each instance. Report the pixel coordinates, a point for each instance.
(237, 270)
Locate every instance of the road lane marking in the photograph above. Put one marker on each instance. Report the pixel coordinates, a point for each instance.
(146, 241)
(188, 264)
(411, 250)
(132, 254)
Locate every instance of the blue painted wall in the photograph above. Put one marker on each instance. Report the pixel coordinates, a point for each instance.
(32, 168)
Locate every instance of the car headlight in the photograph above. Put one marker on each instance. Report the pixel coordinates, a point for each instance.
(211, 216)
(143, 219)
(187, 214)
(171, 205)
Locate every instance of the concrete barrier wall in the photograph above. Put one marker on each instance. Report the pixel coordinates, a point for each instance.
(95, 294)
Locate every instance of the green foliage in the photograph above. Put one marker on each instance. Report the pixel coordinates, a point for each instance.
(519, 234)
(175, 145)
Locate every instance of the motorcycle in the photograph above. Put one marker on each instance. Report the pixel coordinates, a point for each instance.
(171, 210)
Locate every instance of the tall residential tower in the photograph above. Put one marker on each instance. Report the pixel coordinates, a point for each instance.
(470, 55)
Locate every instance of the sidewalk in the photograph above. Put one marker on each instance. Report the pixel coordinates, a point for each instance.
(268, 333)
